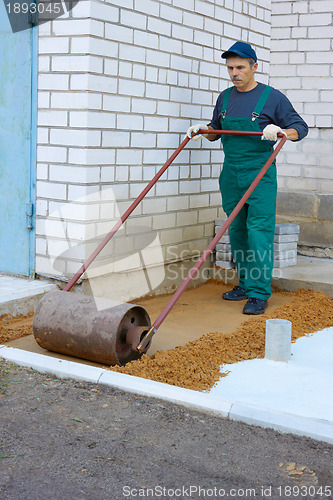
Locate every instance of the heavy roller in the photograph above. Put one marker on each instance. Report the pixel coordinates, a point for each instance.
(109, 332)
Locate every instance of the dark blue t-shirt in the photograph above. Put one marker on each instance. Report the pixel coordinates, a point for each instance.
(277, 110)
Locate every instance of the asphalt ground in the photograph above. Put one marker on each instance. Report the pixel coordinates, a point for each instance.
(62, 439)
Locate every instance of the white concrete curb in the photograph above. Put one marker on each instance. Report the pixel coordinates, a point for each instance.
(318, 429)
(315, 428)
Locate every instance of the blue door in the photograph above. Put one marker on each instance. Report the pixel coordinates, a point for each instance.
(17, 147)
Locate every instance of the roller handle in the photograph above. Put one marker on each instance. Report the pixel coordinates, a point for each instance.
(136, 202)
(147, 338)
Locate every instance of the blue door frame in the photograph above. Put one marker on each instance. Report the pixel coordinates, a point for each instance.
(18, 140)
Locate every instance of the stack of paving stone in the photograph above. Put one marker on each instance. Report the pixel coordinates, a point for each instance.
(223, 255)
(285, 246)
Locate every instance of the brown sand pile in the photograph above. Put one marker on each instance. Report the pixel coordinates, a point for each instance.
(196, 365)
(14, 327)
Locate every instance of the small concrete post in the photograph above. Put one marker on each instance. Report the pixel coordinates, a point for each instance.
(278, 339)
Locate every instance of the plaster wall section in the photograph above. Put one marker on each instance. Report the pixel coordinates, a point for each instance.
(302, 68)
(119, 84)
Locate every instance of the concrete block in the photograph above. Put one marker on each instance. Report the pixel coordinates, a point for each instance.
(287, 228)
(208, 185)
(225, 264)
(193, 20)
(204, 8)
(131, 88)
(187, 218)
(143, 39)
(297, 204)
(171, 14)
(325, 209)
(182, 33)
(133, 19)
(325, 32)
(44, 190)
(204, 39)
(232, 31)
(324, 121)
(321, 6)
(92, 119)
(318, 234)
(50, 45)
(132, 53)
(158, 26)
(148, 6)
(72, 137)
(169, 45)
(315, 20)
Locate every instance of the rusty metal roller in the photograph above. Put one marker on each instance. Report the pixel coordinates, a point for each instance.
(91, 328)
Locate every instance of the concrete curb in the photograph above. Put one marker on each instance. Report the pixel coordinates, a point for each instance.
(315, 428)
(321, 430)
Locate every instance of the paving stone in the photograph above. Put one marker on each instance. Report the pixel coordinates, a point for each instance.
(285, 263)
(285, 238)
(286, 254)
(225, 264)
(219, 221)
(279, 247)
(223, 256)
(287, 228)
(217, 229)
(223, 247)
(225, 239)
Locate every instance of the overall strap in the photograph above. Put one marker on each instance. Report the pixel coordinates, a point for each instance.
(225, 102)
(261, 102)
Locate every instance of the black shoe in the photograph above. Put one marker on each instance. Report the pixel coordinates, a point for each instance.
(237, 293)
(255, 306)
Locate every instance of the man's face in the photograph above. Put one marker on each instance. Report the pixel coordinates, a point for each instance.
(240, 72)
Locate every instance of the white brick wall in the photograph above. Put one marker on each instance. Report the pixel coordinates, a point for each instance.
(119, 84)
(302, 68)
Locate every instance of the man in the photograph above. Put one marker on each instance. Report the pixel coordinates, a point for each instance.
(250, 105)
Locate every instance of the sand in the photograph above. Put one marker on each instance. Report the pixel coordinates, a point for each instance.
(15, 327)
(196, 365)
(201, 333)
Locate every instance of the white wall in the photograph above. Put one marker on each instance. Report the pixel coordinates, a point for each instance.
(302, 68)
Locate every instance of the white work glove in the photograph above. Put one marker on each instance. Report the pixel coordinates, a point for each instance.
(270, 132)
(196, 128)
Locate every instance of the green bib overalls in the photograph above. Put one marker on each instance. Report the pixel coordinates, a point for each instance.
(252, 231)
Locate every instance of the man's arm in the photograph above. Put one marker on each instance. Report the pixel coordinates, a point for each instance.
(288, 119)
(292, 134)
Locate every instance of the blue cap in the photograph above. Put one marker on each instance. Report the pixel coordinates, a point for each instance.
(241, 49)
